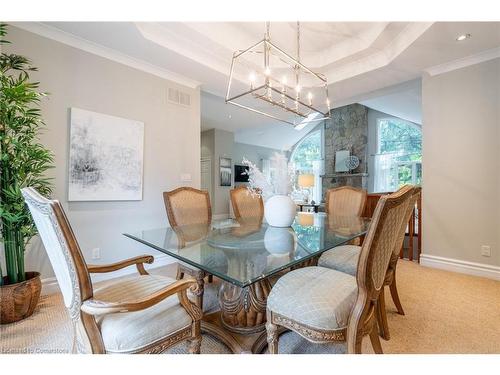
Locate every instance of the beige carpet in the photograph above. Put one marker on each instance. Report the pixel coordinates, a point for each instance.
(445, 313)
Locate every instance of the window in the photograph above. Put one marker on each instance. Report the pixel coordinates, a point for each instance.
(399, 154)
(307, 157)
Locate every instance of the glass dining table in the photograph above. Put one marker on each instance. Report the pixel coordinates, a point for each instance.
(248, 256)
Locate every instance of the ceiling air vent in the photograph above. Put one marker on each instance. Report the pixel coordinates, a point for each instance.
(178, 97)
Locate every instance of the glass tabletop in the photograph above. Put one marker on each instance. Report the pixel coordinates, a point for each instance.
(244, 252)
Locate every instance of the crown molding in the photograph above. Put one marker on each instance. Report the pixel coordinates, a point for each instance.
(108, 53)
(464, 62)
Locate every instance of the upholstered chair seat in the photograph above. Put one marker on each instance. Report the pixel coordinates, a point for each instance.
(138, 314)
(341, 258)
(302, 296)
(134, 331)
(345, 259)
(325, 305)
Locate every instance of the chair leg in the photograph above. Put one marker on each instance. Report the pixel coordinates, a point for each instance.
(195, 341)
(395, 296)
(272, 335)
(382, 316)
(210, 278)
(180, 274)
(357, 346)
(200, 291)
(375, 340)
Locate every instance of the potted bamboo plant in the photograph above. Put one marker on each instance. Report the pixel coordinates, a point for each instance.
(23, 162)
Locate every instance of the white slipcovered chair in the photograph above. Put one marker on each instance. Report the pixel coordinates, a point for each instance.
(141, 314)
(324, 305)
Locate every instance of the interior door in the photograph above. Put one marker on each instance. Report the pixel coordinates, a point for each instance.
(206, 176)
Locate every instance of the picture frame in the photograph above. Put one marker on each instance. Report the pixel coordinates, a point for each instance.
(225, 170)
(105, 157)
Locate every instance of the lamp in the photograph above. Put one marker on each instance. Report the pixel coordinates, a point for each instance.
(306, 219)
(306, 181)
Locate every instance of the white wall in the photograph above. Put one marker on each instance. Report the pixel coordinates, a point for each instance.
(461, 163)
(253, 153)
(223, 147)
(171, 146)
(216, 143)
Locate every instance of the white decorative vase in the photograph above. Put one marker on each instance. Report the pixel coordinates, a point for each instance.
(280, 210)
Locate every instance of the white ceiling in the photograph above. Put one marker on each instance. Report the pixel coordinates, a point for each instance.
(360, 59)
(248, 127)
(402, 100)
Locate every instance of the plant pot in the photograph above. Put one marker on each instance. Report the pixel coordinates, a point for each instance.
(18, 301)
(280, 211)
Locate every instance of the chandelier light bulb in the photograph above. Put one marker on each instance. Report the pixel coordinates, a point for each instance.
(298, 88)
(252, 77)
(463, 37)
(283, 80)
(267, 71)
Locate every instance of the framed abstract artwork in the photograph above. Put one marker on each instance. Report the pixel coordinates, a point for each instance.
(105, 157)
(225, 171)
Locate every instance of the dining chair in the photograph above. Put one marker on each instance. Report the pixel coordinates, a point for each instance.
(390, 278)
(246, 206)
(324, 305)
(189, 236)
(187, 207)
(345, 259)
(345, 201)
(140, 314)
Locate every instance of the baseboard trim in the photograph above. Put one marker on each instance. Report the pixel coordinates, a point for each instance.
(50, 285)
(461, 266)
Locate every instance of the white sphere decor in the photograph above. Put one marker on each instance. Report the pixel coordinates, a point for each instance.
(280, 211)
(278, 241)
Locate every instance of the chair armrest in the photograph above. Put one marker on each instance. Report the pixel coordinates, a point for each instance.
(180, 287)
(138, 261)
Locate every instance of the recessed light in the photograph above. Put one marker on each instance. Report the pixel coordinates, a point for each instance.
(463, 37)
(230, 117)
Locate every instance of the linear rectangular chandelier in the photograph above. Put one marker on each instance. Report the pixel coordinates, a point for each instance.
(266, 80)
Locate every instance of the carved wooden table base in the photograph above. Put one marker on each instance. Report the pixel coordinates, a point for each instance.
(243, 310)
(240, 324)
(238, 343)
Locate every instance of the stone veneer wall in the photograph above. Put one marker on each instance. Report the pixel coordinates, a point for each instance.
(346, 130)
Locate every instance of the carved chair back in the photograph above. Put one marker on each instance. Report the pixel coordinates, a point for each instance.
(189, 234)
(65, 257)
(187, 206)
(246, 205)
(345, 201)
(374, 259)
(412, 200)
